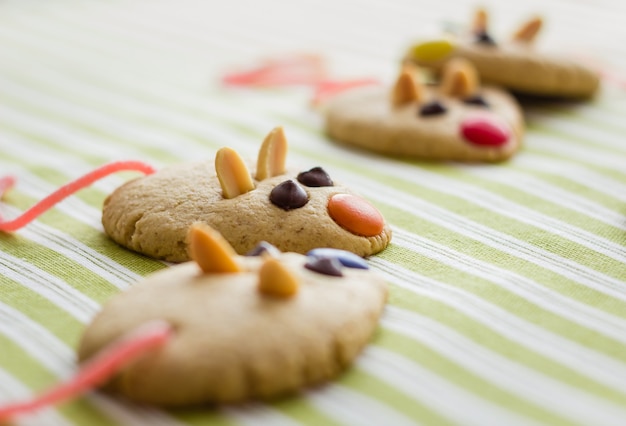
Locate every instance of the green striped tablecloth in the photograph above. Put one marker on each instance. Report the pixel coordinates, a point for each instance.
(508, 282)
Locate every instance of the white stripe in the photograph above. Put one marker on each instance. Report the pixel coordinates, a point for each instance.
(534, 292)
(564, 149)
(340, 403)
(447, 399)
(552, 194)
(573, 172)
(579, 130)
(588, 362)
(554, 396)
(48, 286)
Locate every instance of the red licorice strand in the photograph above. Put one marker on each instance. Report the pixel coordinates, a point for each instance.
(274, 78)
(328, 88)
(69, 189)
(299, 69)
(6, 183)
(99, 369)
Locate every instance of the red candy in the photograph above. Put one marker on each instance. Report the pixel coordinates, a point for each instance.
(356, 215)
(485, 130)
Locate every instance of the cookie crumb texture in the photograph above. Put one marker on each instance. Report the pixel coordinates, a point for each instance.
(233, 343)
(152, 215)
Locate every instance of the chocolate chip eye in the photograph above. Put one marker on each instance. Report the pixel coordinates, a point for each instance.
(288, 195)
(324, 265)
(476, 100)
(346, 258)
(484, 38)
(262, 248)
(315, 177)
(432, 108)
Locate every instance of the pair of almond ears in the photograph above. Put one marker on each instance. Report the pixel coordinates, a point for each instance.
(214, 255)
(526, 33)
(459, 79)
(233, 174)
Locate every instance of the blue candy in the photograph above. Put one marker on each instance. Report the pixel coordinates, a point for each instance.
(346, 258)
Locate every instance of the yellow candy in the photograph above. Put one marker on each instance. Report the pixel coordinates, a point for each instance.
(433, 50)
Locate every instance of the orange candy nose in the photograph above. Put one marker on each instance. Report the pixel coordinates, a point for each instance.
(356, 215)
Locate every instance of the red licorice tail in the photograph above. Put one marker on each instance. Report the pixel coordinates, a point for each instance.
(328, 88)
(66, 190)
(99, 369)
(288, 70)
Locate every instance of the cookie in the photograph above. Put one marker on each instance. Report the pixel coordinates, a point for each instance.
(295, 210)
(245, 327)
(515, 64)
(455, 120)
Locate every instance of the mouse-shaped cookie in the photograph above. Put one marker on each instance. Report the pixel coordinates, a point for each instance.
(515, 64)
(295, 210)
(457, 119)
(244, 327)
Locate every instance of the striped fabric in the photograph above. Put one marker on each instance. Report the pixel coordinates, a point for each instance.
(508, 282)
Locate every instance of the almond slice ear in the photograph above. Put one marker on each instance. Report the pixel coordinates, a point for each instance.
(407, 89)
(276, 280)
(480, 22)
(210, 250)
(232, 173)
(272, 155)
(528, 31)
(459, 79)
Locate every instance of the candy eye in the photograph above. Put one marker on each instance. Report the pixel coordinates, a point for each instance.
(484, 38)
(432, 108)
(476, 100)
(324, 265)
(346, 258)
(288, 195)
(264, 248)
(315, 177)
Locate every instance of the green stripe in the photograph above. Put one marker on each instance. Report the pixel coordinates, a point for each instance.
(74, 274)
(497, 343)
(28, 371)
(456, 374)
